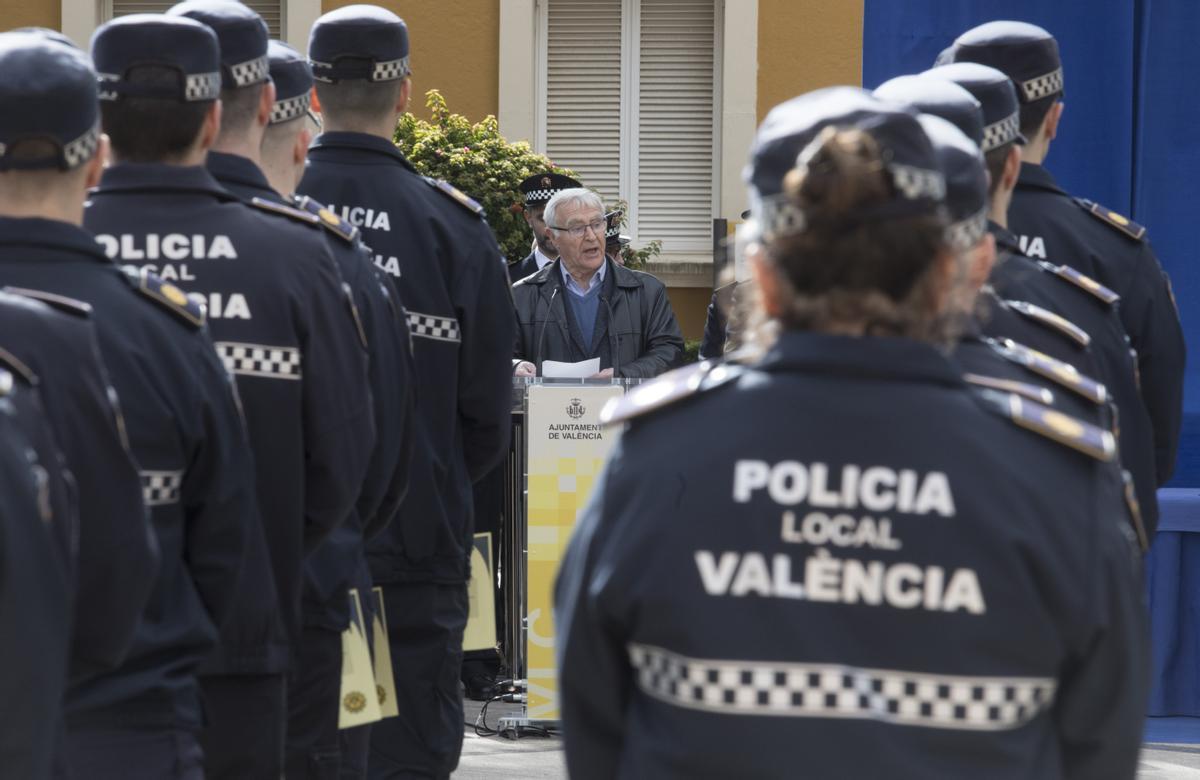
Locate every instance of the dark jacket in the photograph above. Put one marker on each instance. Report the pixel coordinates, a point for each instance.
(522, 268)
(646, 336)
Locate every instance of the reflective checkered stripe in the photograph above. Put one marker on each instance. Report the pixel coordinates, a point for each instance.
(260, 360)
(801, 690)
(538, 196)
(999, 133)
(202, 86)
(82, 149)
(390, 70)
(430, 326)
(1049, 84)
(289, 109)
(914, 183)
(161, 488)
(253, 71)
(965, 233)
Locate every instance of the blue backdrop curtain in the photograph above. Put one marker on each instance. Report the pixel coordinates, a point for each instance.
(1130, 136)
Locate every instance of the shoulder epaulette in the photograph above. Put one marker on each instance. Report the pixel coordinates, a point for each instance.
(284, 210)
(18, 366)
(1081, 436)
(326, 218)
(166, 295)
(1063, 374)
(1082, 281)
(1113, 219)
(667, 389)
(1031, 391)
(1051, 320)
(61, 302)
(455, 194)
(1135, 511)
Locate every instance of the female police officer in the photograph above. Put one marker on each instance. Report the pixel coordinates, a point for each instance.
(881, 572)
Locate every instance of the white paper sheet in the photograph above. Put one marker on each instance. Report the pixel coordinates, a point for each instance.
(553, 369)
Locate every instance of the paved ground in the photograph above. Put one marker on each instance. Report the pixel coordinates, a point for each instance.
(540, 758)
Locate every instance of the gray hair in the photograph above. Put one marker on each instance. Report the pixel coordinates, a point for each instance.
(575, 196)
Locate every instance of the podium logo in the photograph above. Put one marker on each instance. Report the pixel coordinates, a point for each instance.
(576, 409)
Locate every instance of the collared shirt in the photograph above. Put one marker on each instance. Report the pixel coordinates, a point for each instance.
(573, 286)
(541, 258)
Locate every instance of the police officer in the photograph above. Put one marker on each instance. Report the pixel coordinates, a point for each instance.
(50, 340)
(809, 610)
(536, 192)
(282, 323)
(460, 316)
(1079, 233)
(614, 240)
(181, 418)
(35, 604)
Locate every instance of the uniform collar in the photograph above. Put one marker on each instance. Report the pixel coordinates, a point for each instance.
(363, 141)
(47, 233)
(1034, 175)
(157, 177)
(1006, 240)
(237, 169)
(875, 357)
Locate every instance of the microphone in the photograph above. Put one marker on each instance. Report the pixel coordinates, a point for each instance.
(614, 343)
(542, 336)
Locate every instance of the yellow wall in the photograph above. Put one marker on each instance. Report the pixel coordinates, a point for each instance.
(30, 13)
(806, 44)
(455, 48)
(690, 305)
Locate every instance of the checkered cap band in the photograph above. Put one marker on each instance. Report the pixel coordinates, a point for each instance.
(540, 196)
(82, 149)
(390, 70)
(999, 133)
(202, 86)
(916, 183)
(260, 360)
(965, 233)
(431, 326)
(107, 93)
(802, 690)
(253, 71)
(287, 110)
(160, 488)
(1042, 86)
(778, 217)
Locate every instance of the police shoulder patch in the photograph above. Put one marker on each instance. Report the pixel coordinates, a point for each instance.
(1082, 281)
(1113, 219)
(456, 195)
(1081, 436)
(1063, 374)
(1049, 319)
(670, 388)
(1031, 391)
(284, 210)
(166, 295)
(327, 218)
(18, 367)
(72, 306)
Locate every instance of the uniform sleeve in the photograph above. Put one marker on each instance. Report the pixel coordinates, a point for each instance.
(712, 345)
(484, 306)
(1101, 702)
(663, 348)
(594, 675)
(338, 426)
(1152, 320)
(118, 550)
(225, 551)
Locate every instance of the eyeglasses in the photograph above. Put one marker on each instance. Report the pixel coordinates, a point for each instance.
(578, 231)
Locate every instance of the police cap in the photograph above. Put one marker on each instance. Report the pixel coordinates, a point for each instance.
(241, 33)
(48, 94)
(539, 188)
(293, 83)
(782, 141)
(996, 95)
(359, 43)
(938, 97)
(1025, 52)
(612, 233)
(173, 42)
(961, 164)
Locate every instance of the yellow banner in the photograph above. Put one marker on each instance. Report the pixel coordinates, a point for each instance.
(481, 622)
(567, 448)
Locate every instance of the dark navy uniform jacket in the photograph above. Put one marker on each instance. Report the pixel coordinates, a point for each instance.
(1114, 252)
(453, 284)
(35, 609)
(114, 551)
(340, 561)
(1111, 361)
(522, 268)
(897, 565)
(187, 437)
(283, 325)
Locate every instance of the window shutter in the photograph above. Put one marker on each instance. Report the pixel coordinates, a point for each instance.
(270, 10)
(675, 123)
(583, 90)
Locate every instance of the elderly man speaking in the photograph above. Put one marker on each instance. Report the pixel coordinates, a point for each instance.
(584, 306)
